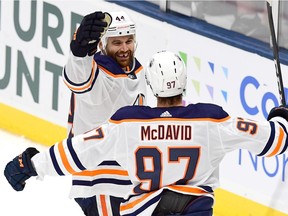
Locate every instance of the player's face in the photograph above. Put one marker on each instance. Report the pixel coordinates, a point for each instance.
(121, 49)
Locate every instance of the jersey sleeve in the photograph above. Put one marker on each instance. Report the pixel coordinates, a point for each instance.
(82, 152)
(266, 138)
(79, 74)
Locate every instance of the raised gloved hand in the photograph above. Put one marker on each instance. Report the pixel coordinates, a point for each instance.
(89, 33)
(281, 111)
(20, 169)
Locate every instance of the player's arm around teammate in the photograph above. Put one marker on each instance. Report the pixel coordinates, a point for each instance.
(150, 144)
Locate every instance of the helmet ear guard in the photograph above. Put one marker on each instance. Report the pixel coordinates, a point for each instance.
(166, 74)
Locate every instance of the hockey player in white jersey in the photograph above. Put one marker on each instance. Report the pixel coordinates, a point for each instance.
(102, 82)
(170, 152)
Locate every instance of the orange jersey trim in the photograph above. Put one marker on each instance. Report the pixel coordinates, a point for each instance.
(141, 100)
(134, 203)
(279, 143)
(87, 85)
(65, 159)
(169, 119)
(189, 190)
(102, 172)
(118, 75)
(104, 205)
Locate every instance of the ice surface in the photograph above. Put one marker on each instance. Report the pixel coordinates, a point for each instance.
(45, 198)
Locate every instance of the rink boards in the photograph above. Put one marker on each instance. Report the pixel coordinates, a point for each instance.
(34, 100)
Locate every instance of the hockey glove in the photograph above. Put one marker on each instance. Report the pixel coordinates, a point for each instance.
(89, 33)
(20, 169)
(281, 111)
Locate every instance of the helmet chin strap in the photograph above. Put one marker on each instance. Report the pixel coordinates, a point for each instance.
(134, 61)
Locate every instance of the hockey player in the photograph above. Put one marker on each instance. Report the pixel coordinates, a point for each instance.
(170, 152)
(102, 82)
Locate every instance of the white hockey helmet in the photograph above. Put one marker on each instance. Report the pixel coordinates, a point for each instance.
(166, 74)
(121, 25)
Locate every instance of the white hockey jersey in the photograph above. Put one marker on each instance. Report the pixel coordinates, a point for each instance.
(176, 148)
(100, 87)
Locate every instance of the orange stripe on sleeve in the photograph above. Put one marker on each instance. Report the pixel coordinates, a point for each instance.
(84, 87)
(102, 172)
(279, 143)
(65, 159)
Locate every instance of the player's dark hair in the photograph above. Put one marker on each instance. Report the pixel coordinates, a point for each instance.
(170, 101)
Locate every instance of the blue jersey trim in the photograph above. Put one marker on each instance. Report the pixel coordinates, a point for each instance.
(74, 155)
(54, 161)
(192, 111)
(270, 141)
(109, 64)
(146, 205)
(286, 142)
(101, 181)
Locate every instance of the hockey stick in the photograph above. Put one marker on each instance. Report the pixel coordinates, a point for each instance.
(275, 53)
